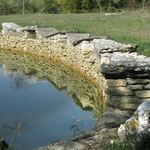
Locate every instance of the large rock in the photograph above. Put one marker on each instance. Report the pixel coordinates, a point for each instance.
(108, 46)
(9, 27)
(137, 123)
(46, 32)
(75, 38)
(125, 65)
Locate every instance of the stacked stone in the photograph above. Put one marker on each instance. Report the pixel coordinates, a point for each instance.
(127, 74)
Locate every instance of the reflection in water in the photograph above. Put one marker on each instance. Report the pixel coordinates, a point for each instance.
(45, 112)
(16, 130)
(32, 69)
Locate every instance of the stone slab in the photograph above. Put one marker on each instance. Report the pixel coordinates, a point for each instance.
(143, 93)
(136, 87)
(118, 91)
(47, 32)
(124, 99)
(137, 81)
(76, 38)
(147, 86)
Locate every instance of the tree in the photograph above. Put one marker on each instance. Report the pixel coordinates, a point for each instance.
(51, 6)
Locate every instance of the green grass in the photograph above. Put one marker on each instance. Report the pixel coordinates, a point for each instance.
(136, 142)
(129, 27)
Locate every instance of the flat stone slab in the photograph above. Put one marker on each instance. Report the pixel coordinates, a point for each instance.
(29, 28)
(9, 27)
(127, 64)
(109, 46)
(47, 32)
(76, 38)
(143, 93)
(119, 91)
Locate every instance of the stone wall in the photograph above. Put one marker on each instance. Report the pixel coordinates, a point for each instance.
(127, 74)
(122, 75)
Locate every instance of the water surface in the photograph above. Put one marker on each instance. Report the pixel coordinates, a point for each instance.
(42, 101)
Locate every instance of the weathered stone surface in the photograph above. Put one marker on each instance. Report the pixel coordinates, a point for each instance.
(126, 64)
(69, 145)
(136, 87)
(137, 81)
(109, 46)
(46, 32)
(124, 99)
(9, 27)
(30, 28)
(76, 38)
(114, 83)
(124, 102)
(147, 86)
(145, 99)
(119, 91)
(87, 46)
(143, 93)
(137, 123)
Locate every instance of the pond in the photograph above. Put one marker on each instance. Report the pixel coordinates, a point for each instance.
(42, 101)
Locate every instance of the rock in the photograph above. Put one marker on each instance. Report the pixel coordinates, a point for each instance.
(137, 81)
(124, 102)
(126, 64)
(3, 144)
(136, 87)
(76, 38)
(46, 32)
(30, 28)
(116, 83)
(143, 93)
(87, 46)
(109, 46)
(64, 146)
(119, 91)
(137, 123)
(9, 27)
(147, 86)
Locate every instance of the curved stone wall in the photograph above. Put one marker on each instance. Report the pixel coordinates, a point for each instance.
(122, 76)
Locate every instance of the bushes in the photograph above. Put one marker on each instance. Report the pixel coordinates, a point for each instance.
(68, 6)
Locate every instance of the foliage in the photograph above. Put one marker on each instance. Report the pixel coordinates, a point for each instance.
(138, 142)
(68, 6)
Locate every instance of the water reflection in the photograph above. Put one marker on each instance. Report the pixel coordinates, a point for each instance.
(24, 70)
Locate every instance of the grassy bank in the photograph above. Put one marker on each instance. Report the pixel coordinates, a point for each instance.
(129, 27)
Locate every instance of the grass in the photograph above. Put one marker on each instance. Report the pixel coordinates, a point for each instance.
(137, 142)
(129, 27)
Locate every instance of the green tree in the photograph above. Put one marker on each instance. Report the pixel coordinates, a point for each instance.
(51, 6)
